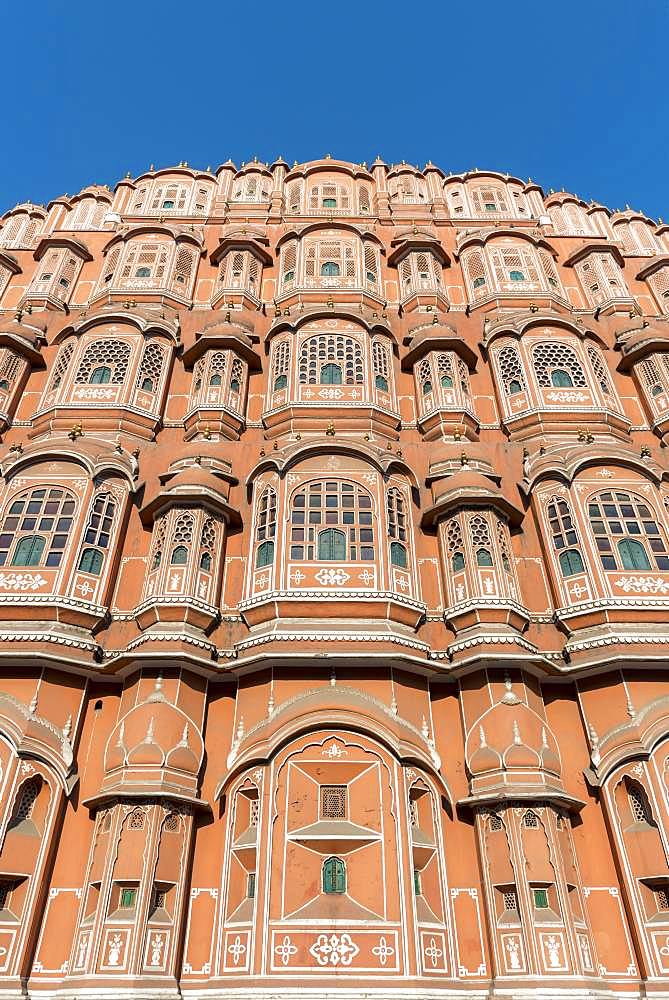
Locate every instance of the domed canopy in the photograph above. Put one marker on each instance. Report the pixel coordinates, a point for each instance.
(155, 749)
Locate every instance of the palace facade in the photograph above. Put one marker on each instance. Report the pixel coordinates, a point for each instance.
(334, 589)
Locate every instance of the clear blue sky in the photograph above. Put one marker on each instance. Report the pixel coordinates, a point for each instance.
(573, 94)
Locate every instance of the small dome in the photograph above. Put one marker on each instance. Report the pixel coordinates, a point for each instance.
(155, 734)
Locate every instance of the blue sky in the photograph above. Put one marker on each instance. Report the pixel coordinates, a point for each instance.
(572, 94)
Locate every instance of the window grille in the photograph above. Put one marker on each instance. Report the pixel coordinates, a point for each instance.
(627, 533)
(11, 365)
(455, 544)
(136, 820)
(20, 231)
(445, 371)
(601, 278)
(281, 365)
(371, 265)
(330, 264)
(255, 812)
(184, 267)
(266, 523)
(495, 822)
(503, 545)
(98, 533)
(510, 899)
(413, 813)
(511, 370)
(650, 376)
(661, 899)
(364, 201)
(5, 895)
(324, 350)
(659, 284)
(563, 530)
(639, 805)
(346, 510)
(207, 544)
(475, 272)
(600, 370)
(463, 375)
(151, 367)
(172, 823)
(294, 197)
(397, 526)
(381, 366)
(416, 882)
(26, 799)
(515, 268)
(159, 896)
(531, 820)
(322, 195)
(489, 200)
(237, 376)
(36, 527)
(289, 264)
(251, 885)
(88, 214)
(158, 544)
(111, 354)
(424, 374)
(333, 801)
(556, 364)
(183, 529)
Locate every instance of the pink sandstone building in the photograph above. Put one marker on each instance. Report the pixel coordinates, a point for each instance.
(334, 589)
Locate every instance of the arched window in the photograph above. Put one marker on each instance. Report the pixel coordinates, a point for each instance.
(91, 562)
(510, 370)
(331, 544)
(25, 801)
(627, 533)
(516, 276)
(280, 364)
(205, 561)
(571, 562)
(397, 524)
(330, 269)
(531, 820)
(557, 364)
(181, 540)
(266, 527)
(398, 555)
(62, 364)
(381, 366)
(455, 544)
(46, 510)
(29, 551)
(638, 803)
(151, 367)
(215, 380)
(110, 355)
(100, 375)
(143, 272)
(331, 375)
(479, 531)
(633, 554)
(331, 350)
(334, 876)
(342, 509)
(265, 554)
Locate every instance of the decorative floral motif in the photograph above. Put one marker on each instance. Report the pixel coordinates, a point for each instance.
(285, 950)
(433, 953)
(567, 397)
(237, 949)
(156, 946)
(332, 577)
(643, 584)
(383, 951)
(21, 581)
(335, 949)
